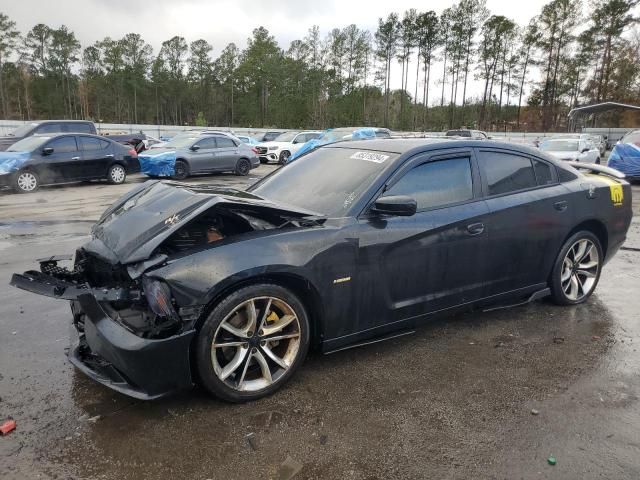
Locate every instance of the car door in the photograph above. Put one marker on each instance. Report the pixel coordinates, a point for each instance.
(63, 163)
(433, 260)
(529, 216)
(203, 155)
(95, 157)
(227, 153)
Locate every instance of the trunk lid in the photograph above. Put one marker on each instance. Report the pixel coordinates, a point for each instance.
(141, 220)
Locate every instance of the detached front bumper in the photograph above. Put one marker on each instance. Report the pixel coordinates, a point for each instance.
(110, 353)
(113, 356)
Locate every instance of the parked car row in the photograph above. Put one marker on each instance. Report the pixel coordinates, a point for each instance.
(56, 158)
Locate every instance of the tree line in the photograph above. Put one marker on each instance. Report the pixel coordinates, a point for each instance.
(565, 56)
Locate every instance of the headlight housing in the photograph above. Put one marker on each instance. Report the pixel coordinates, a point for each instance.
(158, 297)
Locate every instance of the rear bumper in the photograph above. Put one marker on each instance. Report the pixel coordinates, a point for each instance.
(145, 369)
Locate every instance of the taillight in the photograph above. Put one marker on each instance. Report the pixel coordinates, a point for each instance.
(132, 152)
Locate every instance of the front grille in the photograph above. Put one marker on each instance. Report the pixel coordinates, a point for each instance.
(261, 150)
(100, 273)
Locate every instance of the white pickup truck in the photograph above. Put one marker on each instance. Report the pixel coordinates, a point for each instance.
(280, 149)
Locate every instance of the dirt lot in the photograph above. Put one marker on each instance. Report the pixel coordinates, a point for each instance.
(454, 400)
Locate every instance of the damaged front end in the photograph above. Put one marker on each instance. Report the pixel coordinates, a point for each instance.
(133, 335)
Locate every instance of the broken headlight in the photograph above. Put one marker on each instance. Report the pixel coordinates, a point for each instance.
(159, 298)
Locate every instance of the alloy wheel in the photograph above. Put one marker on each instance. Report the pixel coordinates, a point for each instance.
(256, 344)
(580, 269)
(27, 182)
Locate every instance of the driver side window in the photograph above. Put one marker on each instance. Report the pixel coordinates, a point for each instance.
(436, 184)
(207, 143)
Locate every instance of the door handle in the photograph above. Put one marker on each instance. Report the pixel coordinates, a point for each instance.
(75, 158)
(475, 228)
(561, 206)
(109, 156)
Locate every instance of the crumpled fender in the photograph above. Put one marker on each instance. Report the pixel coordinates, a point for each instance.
(625, 157)
(158, 165)
(12, 161)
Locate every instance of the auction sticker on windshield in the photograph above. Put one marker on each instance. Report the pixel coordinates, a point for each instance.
(370, 156)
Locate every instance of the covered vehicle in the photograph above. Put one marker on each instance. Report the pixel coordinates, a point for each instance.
(573, 149)
(60, 158)
(352, 242)
(333, 135)
(188, 154)
(283, 146)
(625, 156)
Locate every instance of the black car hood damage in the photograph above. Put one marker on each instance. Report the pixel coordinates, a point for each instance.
(134, 226)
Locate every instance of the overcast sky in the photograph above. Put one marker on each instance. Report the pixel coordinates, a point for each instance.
(224, 21)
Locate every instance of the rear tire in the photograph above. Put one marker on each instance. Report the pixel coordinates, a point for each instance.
(26, 182)
(117, 174)
(577, 269)
(180, 170)
(243, 167)
(245, 364)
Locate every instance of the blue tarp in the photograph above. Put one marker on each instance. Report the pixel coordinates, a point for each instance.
(625, 157)
(329, 136)
(12, 161)
(159, 164)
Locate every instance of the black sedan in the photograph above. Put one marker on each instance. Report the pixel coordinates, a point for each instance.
(353, 242)
(60, 158)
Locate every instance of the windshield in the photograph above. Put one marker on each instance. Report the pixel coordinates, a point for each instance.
(23, 130)
(559, 145)
(286, 137)
(180, 141)
(326, 181)
(28, 144)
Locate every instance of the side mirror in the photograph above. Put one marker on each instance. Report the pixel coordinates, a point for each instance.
(47, 150)
(195, 148)
(398, 205)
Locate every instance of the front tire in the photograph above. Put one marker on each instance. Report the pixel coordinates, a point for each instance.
(117, 174)
(26, 182)
(598, 161)
(243, 167)
(252, 343)
(577, 269)
(180, 170)
(284, 157)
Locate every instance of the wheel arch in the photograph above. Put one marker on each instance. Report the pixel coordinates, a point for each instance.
(595, 226)
(300, 286)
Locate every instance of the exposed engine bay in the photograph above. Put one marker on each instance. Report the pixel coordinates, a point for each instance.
(129, 294)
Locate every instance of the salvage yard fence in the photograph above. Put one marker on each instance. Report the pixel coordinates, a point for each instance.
(7, 126)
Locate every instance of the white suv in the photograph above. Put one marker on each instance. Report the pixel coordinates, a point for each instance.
(280, 149)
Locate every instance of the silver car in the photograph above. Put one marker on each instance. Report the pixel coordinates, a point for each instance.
(186, 154)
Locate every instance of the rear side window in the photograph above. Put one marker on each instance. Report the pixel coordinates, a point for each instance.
(436, 184)
(63, 145)
(78, 128)
(544, 173)
(506, 172)
(225, 142)
(89, 143)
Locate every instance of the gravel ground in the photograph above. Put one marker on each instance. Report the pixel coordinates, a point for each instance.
(455, 400)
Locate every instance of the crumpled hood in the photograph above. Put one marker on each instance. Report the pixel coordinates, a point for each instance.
(133, 227)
